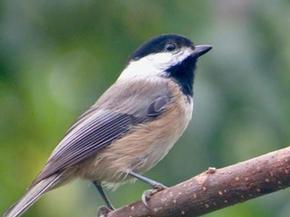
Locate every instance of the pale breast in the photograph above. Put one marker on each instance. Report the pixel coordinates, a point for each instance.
(146, 145)
(167, 131)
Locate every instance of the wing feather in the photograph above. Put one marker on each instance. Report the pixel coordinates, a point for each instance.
(103, 123)
(87, 138)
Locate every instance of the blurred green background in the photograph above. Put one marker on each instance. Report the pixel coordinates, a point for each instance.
(57, 57)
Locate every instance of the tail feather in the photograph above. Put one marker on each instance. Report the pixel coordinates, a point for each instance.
(31, 196)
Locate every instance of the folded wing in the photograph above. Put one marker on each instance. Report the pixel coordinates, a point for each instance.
(99, 127)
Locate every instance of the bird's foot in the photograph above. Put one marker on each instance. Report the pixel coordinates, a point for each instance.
(103, 211)
(149, 193)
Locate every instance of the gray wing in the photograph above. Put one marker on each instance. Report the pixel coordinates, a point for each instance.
(97, 128)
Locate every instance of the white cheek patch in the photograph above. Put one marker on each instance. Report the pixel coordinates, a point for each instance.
(161, 60)
(164, 61)
(184, 53)
(139, 69)
(154, 64)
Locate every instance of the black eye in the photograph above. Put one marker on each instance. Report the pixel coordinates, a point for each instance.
(170, 47)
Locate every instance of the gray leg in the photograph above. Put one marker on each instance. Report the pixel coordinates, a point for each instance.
(157, 186)
(152, 183)
(103, 195)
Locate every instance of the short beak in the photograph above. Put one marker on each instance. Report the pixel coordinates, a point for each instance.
(201, 49)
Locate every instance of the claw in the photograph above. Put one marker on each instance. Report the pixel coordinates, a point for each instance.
(103, 211)
(146, 196)
(149, 193)
(159, 187)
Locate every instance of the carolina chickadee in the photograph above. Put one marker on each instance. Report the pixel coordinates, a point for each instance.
(131, 127)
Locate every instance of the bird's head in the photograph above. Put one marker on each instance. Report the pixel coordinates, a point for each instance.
(171, 56)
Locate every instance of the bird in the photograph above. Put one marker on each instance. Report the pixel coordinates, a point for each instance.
(131, 127)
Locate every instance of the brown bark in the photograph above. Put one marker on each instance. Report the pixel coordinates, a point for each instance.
(217, 188)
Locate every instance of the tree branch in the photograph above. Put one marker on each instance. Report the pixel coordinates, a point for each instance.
(217, 188)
